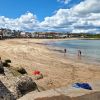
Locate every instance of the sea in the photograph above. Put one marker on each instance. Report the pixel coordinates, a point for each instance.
(90, 49)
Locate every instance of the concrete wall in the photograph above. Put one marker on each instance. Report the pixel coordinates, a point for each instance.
(63, 94)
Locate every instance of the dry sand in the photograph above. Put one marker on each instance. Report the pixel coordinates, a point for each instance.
(57, 70)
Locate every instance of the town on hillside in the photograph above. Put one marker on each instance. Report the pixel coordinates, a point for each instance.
(9, 34)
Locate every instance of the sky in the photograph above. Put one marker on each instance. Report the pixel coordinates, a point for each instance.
(51, 15)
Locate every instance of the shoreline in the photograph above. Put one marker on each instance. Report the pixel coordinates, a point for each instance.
(57, 70)
(81, 59)
(60, 50)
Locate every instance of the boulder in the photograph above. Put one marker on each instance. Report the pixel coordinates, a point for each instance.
(13, 82)
(5, 94)
(15, 87)
(8, 88)
(6, 63)
(21, 70)
(25, 84)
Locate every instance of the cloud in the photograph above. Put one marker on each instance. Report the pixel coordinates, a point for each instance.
(87, 6)
(25, 22)
(83, 17)
(64, 1)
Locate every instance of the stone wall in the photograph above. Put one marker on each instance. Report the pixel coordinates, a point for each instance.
(64, 93)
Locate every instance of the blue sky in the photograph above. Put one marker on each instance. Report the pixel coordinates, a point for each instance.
(42, 8)
(51, 15)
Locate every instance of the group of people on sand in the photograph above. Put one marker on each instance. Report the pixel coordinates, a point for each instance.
(79, 53)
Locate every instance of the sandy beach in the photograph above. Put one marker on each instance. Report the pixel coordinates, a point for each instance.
(57, 70)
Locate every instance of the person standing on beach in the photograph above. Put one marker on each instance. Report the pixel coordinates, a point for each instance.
(79, 53)
(65, 50)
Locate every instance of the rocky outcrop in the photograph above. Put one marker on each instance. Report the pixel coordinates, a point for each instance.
(5, 93)
(25, 84)
(17, 86)
(14, 84)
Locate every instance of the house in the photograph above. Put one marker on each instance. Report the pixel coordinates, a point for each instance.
(25, 35)
(1, 34)
(74, 35)
(49, 35)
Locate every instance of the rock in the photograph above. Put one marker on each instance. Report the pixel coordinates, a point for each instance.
(15, 86)
(8, 88)
(6, 63)
(25, 84)
(1, 68)
(37, 77)
(14, 72)
(8, 72)
(5, 94)
(21, 70)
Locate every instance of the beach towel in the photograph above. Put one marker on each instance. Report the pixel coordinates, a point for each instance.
(82, 85)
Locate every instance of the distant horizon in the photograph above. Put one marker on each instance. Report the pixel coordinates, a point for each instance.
(75, 16)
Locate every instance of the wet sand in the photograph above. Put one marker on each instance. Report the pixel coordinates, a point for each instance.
(58, 70)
